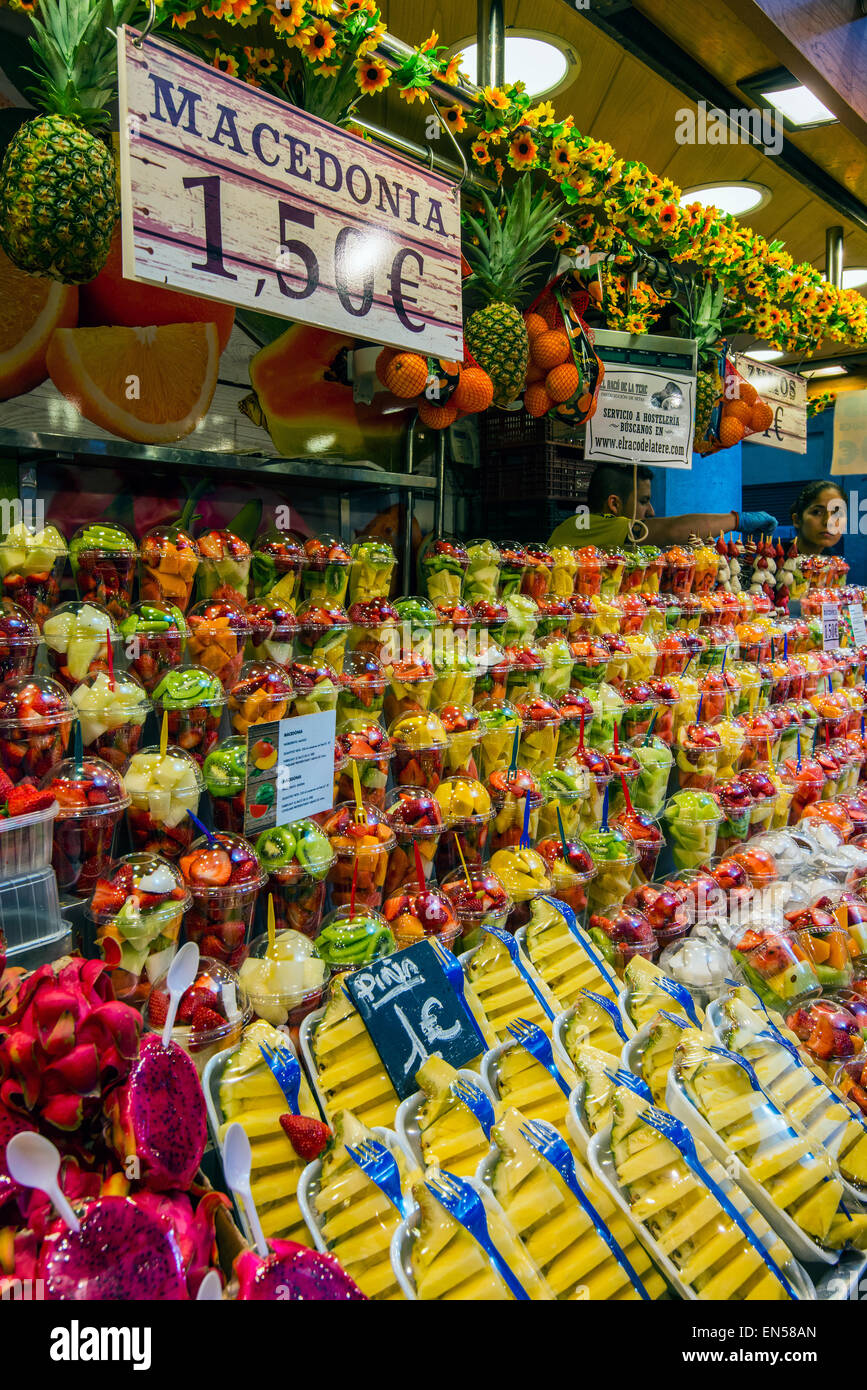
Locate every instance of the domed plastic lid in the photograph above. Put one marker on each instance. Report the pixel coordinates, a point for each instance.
(627, 929)
(513, 555)
(218, 988)
(446, 552)
(518, 784)
(418, 731)
(77, 619)
(538, 554)
(458, 616)
(191, 687)
(362, 673)
(145, 882)
(223, 544)
(316, 617)
(566, 781)
(459, 720)
(522, 872)
(538, 712)
(418, 612)
(348, 939)
(416, 914)
(576, 867)
(464, 800)
(495, 715)
(17, 629)
(225, 769)
(221, 864)
(154, 620)
(375, 613)
(323, 550)
(261, 693)
(365, 742)
(21, 543)
(481, 548)
(212, 618)
(85, 789)
(350, 836)
(589, 557)
(292, 976)
(295, 851)
(524, 658)
(610, 846)
(286, 548)
(489, 612)
(101, 538)
(476, 895)
(373, 552)
(307, 676)
(99, 695)
(413, 812)
(162, 540)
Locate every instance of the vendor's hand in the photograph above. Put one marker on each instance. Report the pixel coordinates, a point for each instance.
(757, 521)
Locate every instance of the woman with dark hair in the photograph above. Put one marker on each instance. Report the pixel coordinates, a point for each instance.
(819, 516)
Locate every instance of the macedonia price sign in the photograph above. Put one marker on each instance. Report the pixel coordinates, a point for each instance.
(231, 193)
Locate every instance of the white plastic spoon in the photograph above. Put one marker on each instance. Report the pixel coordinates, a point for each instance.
(237, 1162)
(210, 1289)
(182, 971)
(34, 1162)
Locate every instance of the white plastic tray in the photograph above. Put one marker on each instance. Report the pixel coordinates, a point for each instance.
(406, 1120)
(490, 1068)
(558, 1035)
(407, 1231)
(308, 1184)
(305, 1042)
(801, 1246)
(586, 945)
(602, 1163)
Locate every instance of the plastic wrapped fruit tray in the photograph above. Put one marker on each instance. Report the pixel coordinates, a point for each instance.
(25, 843)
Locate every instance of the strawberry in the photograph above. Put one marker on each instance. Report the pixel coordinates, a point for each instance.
(205, 1020)
(191, 999)
(24, 799)
(308, 1137)
(122, 880)
(158, 1008)
(107, 899)
(6, 785)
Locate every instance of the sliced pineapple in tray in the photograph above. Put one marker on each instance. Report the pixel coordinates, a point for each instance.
(344, 1065)
(650, 1053)
(507, 985)
(696, 1237)
(240, 1086)
(590, 1101)
(563, 954)
(787, 1176)
(593, 1021)
(647, 990)
(436, 1126)
(518, 1079)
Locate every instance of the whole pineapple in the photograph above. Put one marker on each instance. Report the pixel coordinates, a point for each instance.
(706, 327)
(58, 189)
(500, 259)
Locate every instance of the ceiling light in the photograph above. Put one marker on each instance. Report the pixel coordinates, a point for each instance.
(764, 354)
(736, 198)
(811, 372)
(799, 106)
(854, 276)
(542, 65)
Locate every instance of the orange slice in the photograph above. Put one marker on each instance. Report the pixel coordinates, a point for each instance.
(153, 385)
(31, 307)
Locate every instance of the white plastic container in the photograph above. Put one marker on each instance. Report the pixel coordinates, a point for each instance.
(404, 1237)
(406, 1120)
(25, 843)
(305, 1042)
(311, 1177)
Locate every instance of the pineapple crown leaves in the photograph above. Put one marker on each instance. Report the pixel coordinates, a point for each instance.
(75, 50)
(500, 249)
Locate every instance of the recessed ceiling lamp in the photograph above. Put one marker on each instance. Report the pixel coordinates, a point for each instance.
(736, 198)
(764, 354)
(836, 370)
(540, 61)
(854, 277)
(799, 106)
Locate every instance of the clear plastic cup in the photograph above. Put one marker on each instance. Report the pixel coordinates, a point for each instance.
(513, 562)
(826, 945)
(262, 693)
(576, 721)
(556, 619)
(479, 900)
(698, 756)
(323, 630)
(168, 560)
(828, 1031)
(642, 710)
(443, 567)
(161, 792)
(284, 988)
(509, 794)
(556, 679)
(620, 933)
(570, 875)
(416, 914)
(649, 790)
(373, 566)
(524, 676)
(410, 687)
(455, 682)
(137, 909)
(538, 572)
(416, 818)
(371, 750)
(525, 877)
(482, 577)
(500, 722)
(736, 802)
(297, 859)
(667, 908)
(463, 726)
(225, 877)
(77, 637)
(224, 567)
(278, 559)
(565, 790)
(647, 837)
(614, 858)
(36, 718)
(273, 630)
(522, 619)
(219, 990)
(225, 778)
(467, 813)
(317, 688)
(104, 557)
(590, 658)
(91, 800)
(493, 676)
(420, 747)
(678, 575)
(362, 688)
(193, 700)
(350, 938)
(632, 614)
(361, 850)
(590, 566)
(112, 714)
(325, 576)
(19, 641)
(376, 628)
(31, 568)
(692, 820)
(218, 636)
(540, 719)
(154, 637)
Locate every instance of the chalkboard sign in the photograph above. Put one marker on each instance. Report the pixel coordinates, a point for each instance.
(412, 1012)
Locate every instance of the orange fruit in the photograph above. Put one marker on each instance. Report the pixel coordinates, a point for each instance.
(549, 349)
(152, 385)
(406, 375)
(31, 307)
(536, 400)
(112, 301)
(535, 325)
(731, 431)
(563, 382)
(382, 362)
(748, 392)
(534, 373)
(475, 391)
(738, 410)
(438, 417)
(761, 417)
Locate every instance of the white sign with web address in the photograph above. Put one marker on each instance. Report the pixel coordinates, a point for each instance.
(786, 394)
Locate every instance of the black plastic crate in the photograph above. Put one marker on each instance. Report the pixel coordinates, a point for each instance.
(546, 472)
(510, 429)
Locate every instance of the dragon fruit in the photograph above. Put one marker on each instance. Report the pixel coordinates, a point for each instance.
(9, 1124)
(64, 1041)
(158, 1116)
(121, 1252)
(194, 1230)
(295, 1273)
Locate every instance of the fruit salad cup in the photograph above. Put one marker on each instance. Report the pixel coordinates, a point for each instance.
(576, 720)
(522, 619)
(316, 688)
(525, 668)
(655, 760)
(610, 709)
(162, 789)
(467, 812)
(698, 755)
(273, 632)
(493, 677)
(513, 562)
(361, 852)
(589, 569)
(719, 695)
(31, 568)
(323, 631)
(455, 682)
(826, 944)
(525, 877)
(706, 566)
(692, 821)
(103, 558)
(556, 677)
(829, 1032)
(621, 932)
(418, 620)
(538, 574)
(443, 567)
(325, 576)
(479, 900)
(278, 559)
(203, 1032)
(632, 615)
(362, 689)
(565, 788)
(262, 693)
(286, 986)
(464, 729)
(509, 793)
(91, 799)
(570, 872)
(625, 770)
(666, 907)
(36, 718)
(641, 663)
(168, 560)
(655, 564)
(614, 566)
(410, 687)
(372, 570)
(224, 567)
(417, 820)
(370, 749)
(154, 637)
(583, 614)
(634, 570)
(137, 909)
(19, 641)
(225, 778)
(350, 938)
(218, 636)
(614, 858)
(482, 577)
(112, 713)
(736, 803)
(678, 576)
(76, 641)
(563, 571)
(297, 859)
(193, 699)
(500, 722)
(490, 613)
(420, 747)
(225, 877)
(641, 709)
(598, 769)
(414, 914)
(540, 719)
(556, 618)
(646, 836)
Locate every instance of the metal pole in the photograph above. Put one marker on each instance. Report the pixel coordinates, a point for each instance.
(491, 41)
(834, 256)
(439, 518)
(408, 510)
(424, 154)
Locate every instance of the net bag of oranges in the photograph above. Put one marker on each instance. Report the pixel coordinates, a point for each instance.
(738, 410)
(564, 374)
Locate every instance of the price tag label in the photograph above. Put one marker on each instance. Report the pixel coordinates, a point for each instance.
(786, 394)
(830, 627)
(412, 1012)
(290, 770)
(859, 627)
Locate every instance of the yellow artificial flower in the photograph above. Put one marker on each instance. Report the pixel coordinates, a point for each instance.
(561, 234)
(222, 11)
(224, 62)
(430, 42)
(480, 152)
(496, 99)
(411, 94)
(372, 75)
(455, 119)
(261, 60)
(562, 157)
(242, 10)
(523, 152)
(318, 41)
(373, 39)
(452, 70)
(286, 15)
(319, 7)
(499, 169)
(180, 21)
(543, 114)
(668, 217)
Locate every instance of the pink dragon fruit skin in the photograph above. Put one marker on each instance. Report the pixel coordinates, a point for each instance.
(193, 1230)
(120, 1253)
(294, 1273)
(158, 1116)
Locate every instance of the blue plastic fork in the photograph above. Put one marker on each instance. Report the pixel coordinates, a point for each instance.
(677, 1134)
(681, 996)
(543, 1137)
(533, 1040)
(463, 1202)
(380, 1165)
(475, 1100)
(454, 973)
(587, 946)
(610, 1009)
(636, 1084)
(287, 1072)
(511, 946)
